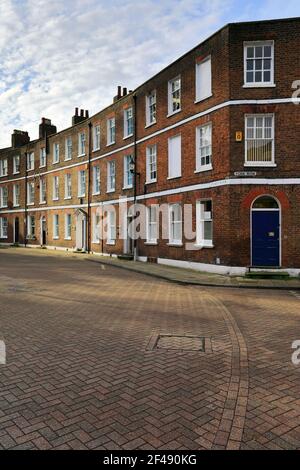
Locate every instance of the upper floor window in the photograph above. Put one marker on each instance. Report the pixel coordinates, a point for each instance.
(30, 161)
(3, 196)
(30, 193)
(42, 191)
(204, 148)
(3, 167)
(128, 175)
(68, 148)
(3, 227)
(81, 144)
(42, 157)
(55, 194)
(16, 164)
(128, 122)
(111, 176)
(174, 95)
(111, 131)
(151, 108)
(204, 223)
(174, 156)
(151, 164)
(96, 179)
(55, 153)
(81, 183)
(68, 186)
(16, 195)
(175, 224)
(203, 79)
(96, 138)
(259, 131)
(259, 63)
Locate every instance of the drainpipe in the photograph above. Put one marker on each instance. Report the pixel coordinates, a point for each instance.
(25, 205)
(135, 245)
(89, 191)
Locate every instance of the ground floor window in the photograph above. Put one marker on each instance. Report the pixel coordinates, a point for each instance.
(31, 226)
(175, 224)
(204, 222)
(152, 234)
(96, 228)
(111, 227)
(3, 227)
(68, 227)
(55, 226)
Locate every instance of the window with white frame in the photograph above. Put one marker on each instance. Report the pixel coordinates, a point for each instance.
(174, 156)
(111, 227)
(96, 228)
(81, 183)
(68, 186)
(42, 190)
(68, 227)
(96, 138)
(30, 161)
(203, 79)
(128, 122)
(3, 167)
(128, 175)
(111, 176)
(68, 148)
(30, 193)
(55, 193)
(151, 108)
(175, 224)
(96, 179)
(204, 147)
(81, 144)
(259, 132)
(151, 163)
(152, 215)
(42, 157)
(3, 227)
(204, 223)
(16, 164)
(30, 226)
(259, 63)
(111, 131)
(174, 95)
(55, 226)
(16, 195)
(3, 196)
(56, 153)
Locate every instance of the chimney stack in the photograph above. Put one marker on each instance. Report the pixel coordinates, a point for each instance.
(79, 116)
(124, 91)
(46, 128)
(19, 138)
(119, 94)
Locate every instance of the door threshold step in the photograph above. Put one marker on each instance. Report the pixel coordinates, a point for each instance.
(280, 275)
(125, 257)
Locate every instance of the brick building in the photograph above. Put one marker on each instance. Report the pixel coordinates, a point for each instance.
(209, 145)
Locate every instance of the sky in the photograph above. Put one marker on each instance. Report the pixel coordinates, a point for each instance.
(56, 55)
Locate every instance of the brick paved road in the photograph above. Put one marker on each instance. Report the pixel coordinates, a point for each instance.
(80, 373)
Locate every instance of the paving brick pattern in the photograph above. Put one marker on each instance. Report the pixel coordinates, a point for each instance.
(79, 374)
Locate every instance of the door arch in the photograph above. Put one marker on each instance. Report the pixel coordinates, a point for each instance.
(265, 232)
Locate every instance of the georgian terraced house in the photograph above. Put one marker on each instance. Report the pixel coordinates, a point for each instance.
(219, 129)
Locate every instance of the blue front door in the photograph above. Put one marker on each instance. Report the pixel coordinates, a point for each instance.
(265, 238)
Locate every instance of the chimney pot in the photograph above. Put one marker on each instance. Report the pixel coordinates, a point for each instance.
(86, 113)
(76, 111)
(124, 91)
(81, 113)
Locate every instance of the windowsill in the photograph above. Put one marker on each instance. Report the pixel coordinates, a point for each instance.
(150, 124)
(174, 177)
(151, 243)
(259, 85)
(260, 165)
(68, 159)
(54, 200)
(55, 163)
(110, 191)
(151, 182)
(16, 205)
(55, 238)
(81, 196)
(205, 168)
(30, 169)
(67, 198)
(3, 238)
(96, 194)
(199, 100)
(127, 187)
(110, 242)
(203, 245)
(111, 143)
(16, 173)
(29, 204)
(175, 244)
(43, 202)
(68, 238)
(96, 150)
(95, 242)
(42, 166)
(82, 155)
(173, 113)
(3, 207)
(127, 136)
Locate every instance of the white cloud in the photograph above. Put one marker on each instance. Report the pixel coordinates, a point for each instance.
(59, 54)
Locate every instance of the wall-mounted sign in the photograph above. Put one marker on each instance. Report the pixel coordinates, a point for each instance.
(239, 136)
(245, 173)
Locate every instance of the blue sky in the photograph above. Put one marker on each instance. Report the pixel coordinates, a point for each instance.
(58, 54)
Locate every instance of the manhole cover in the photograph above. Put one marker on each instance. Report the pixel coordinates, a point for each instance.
(182, 342)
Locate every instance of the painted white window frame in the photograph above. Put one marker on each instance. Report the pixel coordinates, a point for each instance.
(96, 180)
(30, 161)
(209, 152)
(128, 122)
(81, 144)
(3, 227)
(42, 190)
(200, 96)
(151, 164)
(30, 193)
(151, 108)
(68, 148)
(55, 188)
(96, 227)
(96, 137)
(68, 226)
(111, 176)
(68, 186)
(111, 131)
(171, 94)
(171, 159)
(56, 155)
(31, 226)
(152, 224)
(173, 223)
(81, 183)
(203, 217)
(16, 166)
(43, 157)
(3, 167)
(16, 195)
(3, 196)
(55, 226)
(262, 84)
(111, 227)
(128, 175)
(260, 163)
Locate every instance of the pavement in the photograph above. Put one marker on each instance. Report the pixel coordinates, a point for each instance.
(102, 358)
